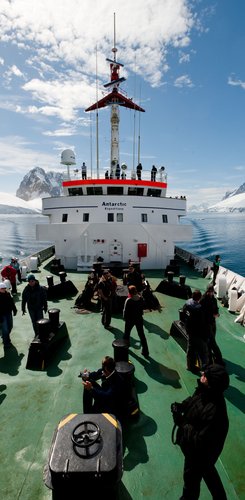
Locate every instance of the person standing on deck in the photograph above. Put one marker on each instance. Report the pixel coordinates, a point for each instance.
(215, 268)
(153, 173)
(84, 171)
(35, 297)
(133, 316)
(105, 290)
(138, 171)
(210, 313)
(16, 265)
(7, 307)
(134, 277)
(9, 273)
(197, 337)
(118, 171)
(202, 426)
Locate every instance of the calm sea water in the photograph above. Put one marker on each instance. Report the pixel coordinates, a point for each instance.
(18, 236)
(213, 234)
(222, 234)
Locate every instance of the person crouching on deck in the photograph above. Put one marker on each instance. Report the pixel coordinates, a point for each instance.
(110, 396)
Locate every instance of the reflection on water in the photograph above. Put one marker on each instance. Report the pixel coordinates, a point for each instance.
(18, 236)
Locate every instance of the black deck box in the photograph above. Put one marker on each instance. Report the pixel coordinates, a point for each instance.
(86, 453)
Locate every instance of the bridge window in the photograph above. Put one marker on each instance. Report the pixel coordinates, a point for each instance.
(64, 217)
(135, 191)
(119, 217)
(94, 190)
(85, 217)
(154, 192)
(75, 191)
(110, 217)
(143, 217)
(115, 190)
(164, 218)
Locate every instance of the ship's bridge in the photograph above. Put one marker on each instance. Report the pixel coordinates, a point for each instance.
(114, 187)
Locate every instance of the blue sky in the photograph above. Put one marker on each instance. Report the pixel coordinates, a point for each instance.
(184, 64)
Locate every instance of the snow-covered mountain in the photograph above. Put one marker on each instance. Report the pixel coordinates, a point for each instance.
(232, 204)
(10, 204)
(39, 184)
(239, 190)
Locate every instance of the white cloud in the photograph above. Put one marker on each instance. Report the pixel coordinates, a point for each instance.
(17, 156)
(16, 71)
(240, 168)
(184, 58)
(183, 81)
(68, 31)
(62, 98)
(1, 61)
(236, 83)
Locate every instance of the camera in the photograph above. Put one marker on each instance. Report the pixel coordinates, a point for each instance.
(176, 409)
(84, 375)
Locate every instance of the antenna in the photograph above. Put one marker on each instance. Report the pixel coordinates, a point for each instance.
(97, 117)
(114, 50)
(139, 131)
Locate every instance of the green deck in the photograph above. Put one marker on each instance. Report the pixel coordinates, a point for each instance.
(33, 402)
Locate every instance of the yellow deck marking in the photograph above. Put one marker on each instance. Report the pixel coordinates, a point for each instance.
(110, 418)
(66, 420)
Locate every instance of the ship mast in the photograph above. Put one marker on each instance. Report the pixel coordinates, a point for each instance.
(114, 99)
(115, 115)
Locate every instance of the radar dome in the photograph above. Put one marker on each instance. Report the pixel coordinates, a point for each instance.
(68, 157)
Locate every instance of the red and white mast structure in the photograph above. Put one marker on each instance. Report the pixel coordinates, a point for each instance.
(114, 99)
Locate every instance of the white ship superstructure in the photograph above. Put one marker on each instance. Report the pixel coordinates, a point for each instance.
(119, 218)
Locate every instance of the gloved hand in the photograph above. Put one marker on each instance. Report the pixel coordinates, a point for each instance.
(23, 312)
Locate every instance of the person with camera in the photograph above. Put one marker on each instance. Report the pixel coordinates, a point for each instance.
(107, 397)
(202, 426)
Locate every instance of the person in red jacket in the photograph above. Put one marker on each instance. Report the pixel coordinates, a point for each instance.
(9, 273)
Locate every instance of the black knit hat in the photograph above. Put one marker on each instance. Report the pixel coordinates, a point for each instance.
(218, 378)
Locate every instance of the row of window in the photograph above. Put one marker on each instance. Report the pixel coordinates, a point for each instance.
(114, 190)
(118, 217)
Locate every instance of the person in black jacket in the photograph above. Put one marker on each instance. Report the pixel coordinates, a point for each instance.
(210, 313)
(215, 267)
(110, 396)
(7, 307)
(133, 316)
(35, 297)
(134, 277)
(197, 335)
(202, 426)
(105, 289)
